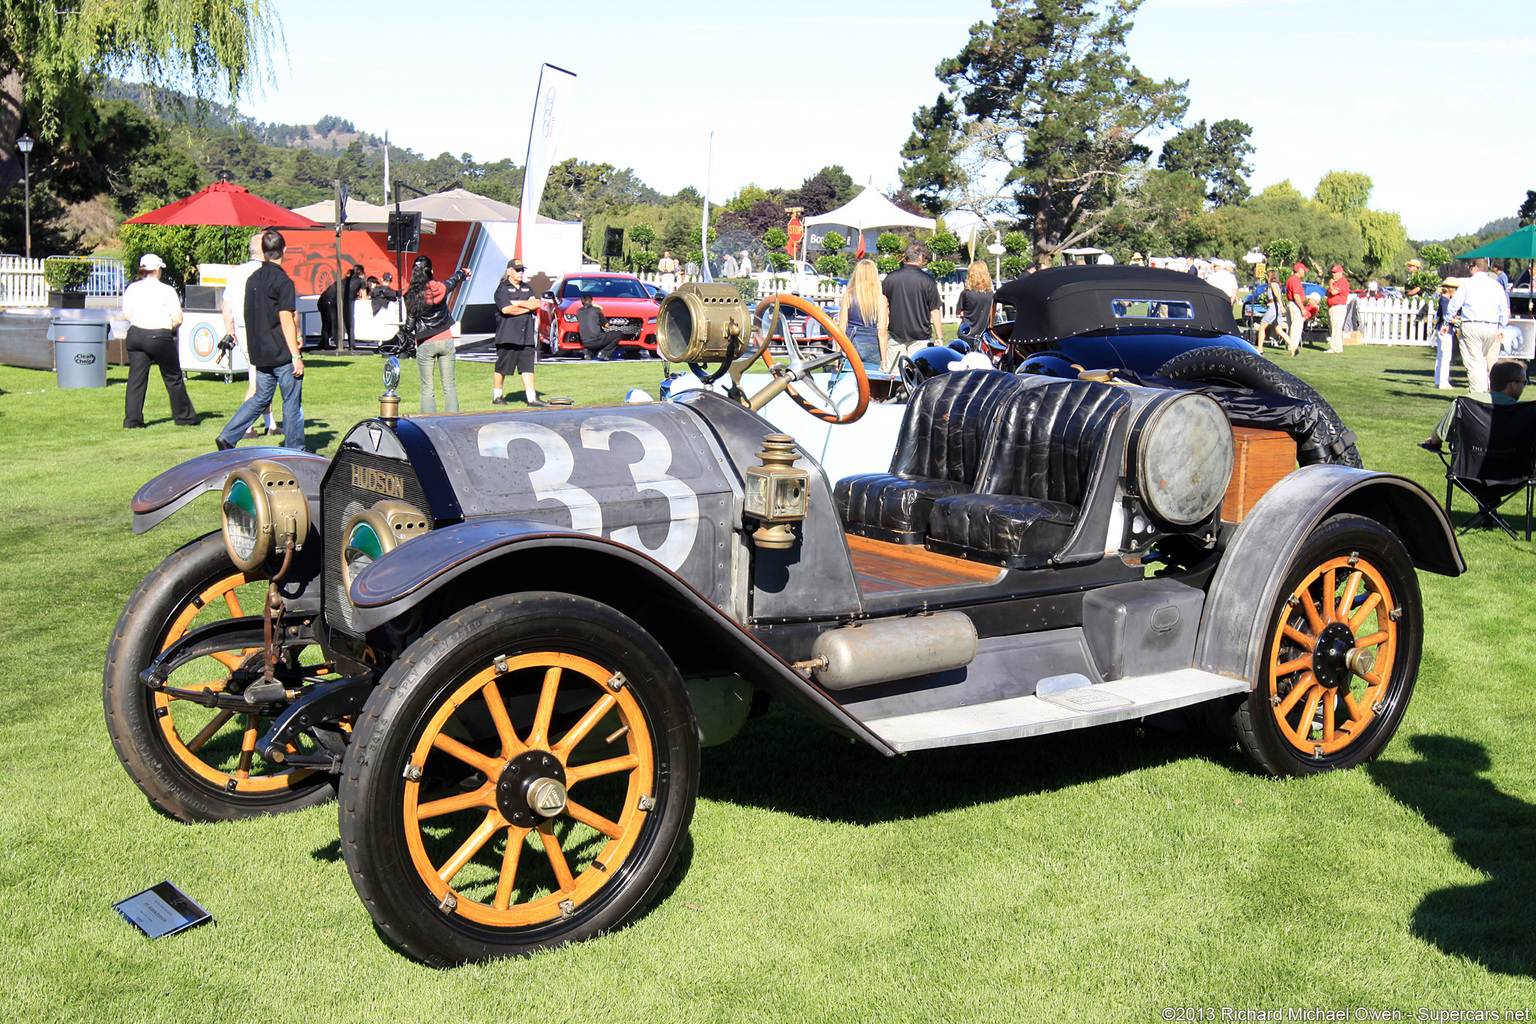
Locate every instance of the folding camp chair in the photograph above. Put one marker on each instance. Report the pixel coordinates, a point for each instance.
(1492, 458)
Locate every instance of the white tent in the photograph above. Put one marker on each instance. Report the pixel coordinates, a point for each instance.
(868, 213)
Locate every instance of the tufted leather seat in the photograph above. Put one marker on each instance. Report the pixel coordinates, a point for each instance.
(1035, 474)
(938, 454)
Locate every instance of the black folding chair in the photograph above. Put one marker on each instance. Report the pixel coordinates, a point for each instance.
(1492, 458)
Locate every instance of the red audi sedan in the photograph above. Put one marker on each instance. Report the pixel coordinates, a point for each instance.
(628, 311)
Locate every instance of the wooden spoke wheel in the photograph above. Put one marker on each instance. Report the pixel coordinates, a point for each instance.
(1341, 654)
(522, 778)
(194, 762)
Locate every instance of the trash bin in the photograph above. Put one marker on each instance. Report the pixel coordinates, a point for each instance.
(80, 352)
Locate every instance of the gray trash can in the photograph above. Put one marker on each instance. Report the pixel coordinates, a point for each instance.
(80, 352)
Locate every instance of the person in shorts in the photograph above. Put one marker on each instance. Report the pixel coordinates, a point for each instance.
(517, 316)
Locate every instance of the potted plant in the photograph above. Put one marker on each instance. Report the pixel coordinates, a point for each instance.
(66, 282)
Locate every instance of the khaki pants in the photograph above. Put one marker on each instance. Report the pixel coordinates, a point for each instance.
(1479, 350)
(1295, 325)
(1336, 327)
(896, 349)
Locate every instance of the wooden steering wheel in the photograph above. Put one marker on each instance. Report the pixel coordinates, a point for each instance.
(796, 367)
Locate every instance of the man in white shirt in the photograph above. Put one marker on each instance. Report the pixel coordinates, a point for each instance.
(1482, 307)
(233, 306)
(153, 311)
(1222, 277)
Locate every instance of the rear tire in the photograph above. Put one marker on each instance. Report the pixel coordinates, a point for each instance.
(1341, 655)
(455, 823)
(1331, 441)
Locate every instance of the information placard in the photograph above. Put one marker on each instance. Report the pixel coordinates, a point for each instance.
(162, 910)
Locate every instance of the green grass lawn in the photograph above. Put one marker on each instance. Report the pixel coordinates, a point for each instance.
(1101, 875)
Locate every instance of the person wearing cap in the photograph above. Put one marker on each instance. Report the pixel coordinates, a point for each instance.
(1414, 266)
(1480, 308)
(276, 349)
(1338, 302)
(517, 316)
(1295, 307)
(1222, 277)
(1138, 260)
(153, 312)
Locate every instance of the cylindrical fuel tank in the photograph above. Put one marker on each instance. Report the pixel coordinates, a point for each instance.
(877, 652)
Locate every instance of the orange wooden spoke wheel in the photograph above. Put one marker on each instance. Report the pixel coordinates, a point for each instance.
(522, 777)
(1331, 657)
(195, 762)
(1341, 654)
(527, 843)
(806, 392)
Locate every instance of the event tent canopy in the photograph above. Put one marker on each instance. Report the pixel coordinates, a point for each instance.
(869, 210)
(225, 205)
(460, 204)
(361, 216)
(1519, 245)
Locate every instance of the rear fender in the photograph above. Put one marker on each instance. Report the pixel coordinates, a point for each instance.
(167, 493)
(1258, 557)
(485, 557)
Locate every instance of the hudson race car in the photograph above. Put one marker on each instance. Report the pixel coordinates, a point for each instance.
(629, 310)
(500, 639)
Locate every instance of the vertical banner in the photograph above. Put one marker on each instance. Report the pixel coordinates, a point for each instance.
(385, 200)
(555, 85)
(709, 169)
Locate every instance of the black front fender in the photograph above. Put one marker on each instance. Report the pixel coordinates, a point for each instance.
(1258, 557)
(410, 574)
(164, 495)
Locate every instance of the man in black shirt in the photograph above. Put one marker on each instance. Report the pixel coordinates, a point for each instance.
(326, 304)
(352, 285)
(598, 342)
(915, 307)
(517, 322)
(272, 340)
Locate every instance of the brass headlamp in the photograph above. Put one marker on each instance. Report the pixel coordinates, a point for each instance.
(702, 323)
(777, 493)
(263, 509)
(373, 532)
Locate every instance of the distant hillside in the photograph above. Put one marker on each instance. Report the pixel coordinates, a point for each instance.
(331, 134)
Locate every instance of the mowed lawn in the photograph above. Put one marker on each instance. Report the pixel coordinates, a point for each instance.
(1112, 874)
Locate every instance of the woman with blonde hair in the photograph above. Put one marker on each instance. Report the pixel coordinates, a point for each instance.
(975, 303)
(864, 315)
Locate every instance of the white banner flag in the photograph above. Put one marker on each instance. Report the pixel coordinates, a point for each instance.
(555, 85)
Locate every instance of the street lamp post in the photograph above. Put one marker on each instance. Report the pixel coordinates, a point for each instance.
(24, 143)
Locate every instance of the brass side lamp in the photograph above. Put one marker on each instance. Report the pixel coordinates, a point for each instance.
(777, 493)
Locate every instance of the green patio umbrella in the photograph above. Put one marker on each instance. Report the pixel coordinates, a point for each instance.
(1521, 245)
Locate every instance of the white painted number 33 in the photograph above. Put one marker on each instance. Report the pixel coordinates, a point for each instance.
(552, 480)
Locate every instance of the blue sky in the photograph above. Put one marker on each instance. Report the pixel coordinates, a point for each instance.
(1436, 103)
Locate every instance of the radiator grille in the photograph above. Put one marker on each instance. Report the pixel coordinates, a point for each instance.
(339, 499)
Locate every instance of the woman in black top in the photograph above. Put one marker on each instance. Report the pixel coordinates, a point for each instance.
(975, 305)
(431, 325)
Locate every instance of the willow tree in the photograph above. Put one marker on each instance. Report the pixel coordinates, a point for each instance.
(53, 52)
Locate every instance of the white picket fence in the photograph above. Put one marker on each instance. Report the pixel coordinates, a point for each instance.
(22, 283)
(1394, 322)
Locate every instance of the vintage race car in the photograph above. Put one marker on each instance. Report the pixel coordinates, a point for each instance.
(502, 638)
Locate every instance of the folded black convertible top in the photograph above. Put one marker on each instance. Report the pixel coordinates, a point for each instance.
(1063, 302)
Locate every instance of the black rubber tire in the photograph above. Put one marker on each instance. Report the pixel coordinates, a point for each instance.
(443, 674)
(136, 718)
(1331, 442)
(1258, 718)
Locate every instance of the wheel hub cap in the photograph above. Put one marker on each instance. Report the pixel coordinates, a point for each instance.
(1331, 657)
(531, 789)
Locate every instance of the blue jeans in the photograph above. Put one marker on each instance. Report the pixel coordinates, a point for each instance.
(268, 380)
(867, 344)
(440, 353)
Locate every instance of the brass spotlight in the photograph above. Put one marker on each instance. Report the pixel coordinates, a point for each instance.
(702, 323)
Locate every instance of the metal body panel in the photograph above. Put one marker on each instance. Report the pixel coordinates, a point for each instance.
(815, 577)
(167, 493)
(1247, 583)
(646, 476)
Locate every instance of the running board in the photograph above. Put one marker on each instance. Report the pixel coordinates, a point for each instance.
(1077, 708)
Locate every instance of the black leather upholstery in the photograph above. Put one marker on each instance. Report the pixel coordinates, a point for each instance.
(938, 454)
(1035, 475)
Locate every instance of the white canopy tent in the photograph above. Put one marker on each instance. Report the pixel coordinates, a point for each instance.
(868, 213)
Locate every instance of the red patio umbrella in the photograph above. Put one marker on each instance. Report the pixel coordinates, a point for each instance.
(227, 205)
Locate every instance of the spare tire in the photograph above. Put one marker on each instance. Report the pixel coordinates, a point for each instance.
(1331, 441)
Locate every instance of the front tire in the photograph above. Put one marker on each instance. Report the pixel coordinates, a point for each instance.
(523, 777)
(195, 763)
(1341, 655)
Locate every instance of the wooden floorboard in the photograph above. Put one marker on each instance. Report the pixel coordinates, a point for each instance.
(882, 567)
